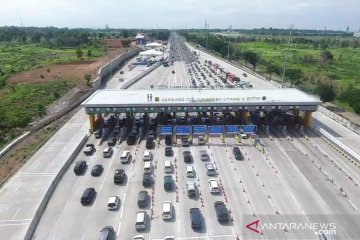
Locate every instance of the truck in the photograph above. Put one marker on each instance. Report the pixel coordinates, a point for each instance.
(232, 78)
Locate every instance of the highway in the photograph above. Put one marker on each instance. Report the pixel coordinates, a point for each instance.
(293, 179)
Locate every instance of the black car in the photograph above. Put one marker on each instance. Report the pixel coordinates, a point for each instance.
(222, 212)
(195, 217)
(173, 71)
(147, 180)
(237, 153)
(96, 170)
(152, 134)
(187, 156)
(143, 198)
(168, 182)
(88, 196)
(168, 141)
(112, 141)
(149, 144)
(79, 168)
(107, 233)
(168, 151)
(119, 176)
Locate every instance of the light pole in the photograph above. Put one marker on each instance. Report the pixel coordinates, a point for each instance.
(228, 53)
(286, 56)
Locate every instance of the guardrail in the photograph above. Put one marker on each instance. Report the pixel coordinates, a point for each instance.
(339, 144)
(141, 75)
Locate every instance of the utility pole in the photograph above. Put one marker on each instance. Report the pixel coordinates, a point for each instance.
(205, 35)
(286, 56)
(228, 53)
(157, 33)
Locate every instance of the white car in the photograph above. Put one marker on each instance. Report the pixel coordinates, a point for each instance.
(148, 156)
(113, 202)
(213, 185)
(125, 157)
(139, 237)
(107, 152)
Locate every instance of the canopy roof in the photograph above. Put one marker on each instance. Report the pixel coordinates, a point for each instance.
(153, 44)
(151, 52)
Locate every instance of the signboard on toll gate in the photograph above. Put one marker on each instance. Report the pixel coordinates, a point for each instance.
(199, 129)
(216, 130)
(248, 129)
(165, 130)
(232, 129)
(182, 130)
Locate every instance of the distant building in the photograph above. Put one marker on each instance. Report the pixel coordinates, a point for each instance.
(140, 39)
(357, 34)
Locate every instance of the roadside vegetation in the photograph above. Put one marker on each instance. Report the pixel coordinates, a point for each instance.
(322, 63)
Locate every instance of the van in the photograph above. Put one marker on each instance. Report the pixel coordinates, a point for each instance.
(113, 202)
(210, 169)
(147, 156)
(125, 157)
(168, 167)
(141, 221)
(190, 171)
(167, 210)
(147, 167)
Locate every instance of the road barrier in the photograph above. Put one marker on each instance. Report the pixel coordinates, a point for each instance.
(141, 75)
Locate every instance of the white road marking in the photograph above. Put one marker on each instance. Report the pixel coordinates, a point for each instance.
(122, 205)
(13, 224)
(201, 237)
(16, 214)
(107, 172)
(77, 182)
(118, 229)
(353, 205)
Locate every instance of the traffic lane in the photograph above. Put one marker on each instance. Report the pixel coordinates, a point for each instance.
(253, 190)
(126, 227)
(152, 78)
(214, 227)
(185, 202)
(159, 227)
(255, 81)
(109, 188)
(329, 169)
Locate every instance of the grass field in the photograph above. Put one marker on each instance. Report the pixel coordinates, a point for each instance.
(342, 71)
(17, 57)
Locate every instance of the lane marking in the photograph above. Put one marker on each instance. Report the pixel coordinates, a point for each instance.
(13, 224)
(16, 214)
(118, 229)
(353, 205)
(18, 220)
(77, 182)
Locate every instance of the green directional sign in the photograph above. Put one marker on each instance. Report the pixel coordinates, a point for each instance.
(149, 109)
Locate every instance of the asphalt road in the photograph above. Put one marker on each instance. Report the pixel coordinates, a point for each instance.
(282, 183)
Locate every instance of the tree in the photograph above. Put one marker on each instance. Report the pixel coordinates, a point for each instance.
(326, 92)
(126, 42)
(89, 53)
(294, 75)
(326, 56)
(79, 53)
(271, 68)
(252, 57)
(40, 110)
(125, 33)
(87, 78)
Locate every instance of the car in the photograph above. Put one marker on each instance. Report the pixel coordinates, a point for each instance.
(168, 151)
(222, 213)
(195, 217)
(173, 72)
(121, 72)
(125, 157)
(147, 180)
(204, 156)
(107, 152)
(119, 176)
(187, 156)
(113, 203)
(201, 140)
(237, 153)
(89, 149)
(139, 237)
(98, 133)
(112, 141)
(210, 169)
(87, 196)
(148, 156)
(168, 141)
(149, 144)
(213, 185)
(143, 198)
(168, 182)
(190, 171)
(185, 142)
(96, 170)
(191, 189)
(244, 74)
(107, 233)
(169, 238)
(79, 167)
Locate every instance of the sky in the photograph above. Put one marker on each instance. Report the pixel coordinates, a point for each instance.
(175, 14)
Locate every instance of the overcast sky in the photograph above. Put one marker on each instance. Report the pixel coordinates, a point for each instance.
(309, 14)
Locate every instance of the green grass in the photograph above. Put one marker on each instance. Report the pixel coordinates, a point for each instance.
(17, 57)
(342, 71)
